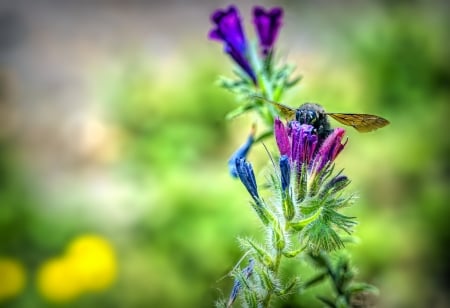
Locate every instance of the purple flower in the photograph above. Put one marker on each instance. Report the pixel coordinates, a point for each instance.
(298, 142)
(329, 149)
(229, 31)
(282, 138)
(241, 152)
(304, 142)
(267, 25)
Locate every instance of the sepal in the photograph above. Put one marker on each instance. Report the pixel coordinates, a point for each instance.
(289, 287)
(268, 282)
(257, 251)
(299, 225)
(262, 211)
(278, 236)
(288, 206)
(251, 299)
(292, 253)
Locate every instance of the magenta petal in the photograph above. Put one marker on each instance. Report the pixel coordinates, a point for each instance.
(304, 142)
(338, 147)
(330, 149)
(282, 138)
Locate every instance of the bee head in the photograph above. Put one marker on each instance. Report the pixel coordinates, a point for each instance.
(309, 113)
(306, 116)
(313, 114)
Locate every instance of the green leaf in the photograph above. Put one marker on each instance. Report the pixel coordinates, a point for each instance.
(290, 286)
(358, 287)
(293, 82)
(319, 235)
(299, 225)
(317, 279)
(239, 111)
(345, 223)
(328, 302)
(311, 205)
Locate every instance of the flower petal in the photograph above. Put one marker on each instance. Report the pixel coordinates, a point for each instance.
(241, 152)
(282, 138)
(285, 170)
(229, 31)
(267, 25)
(330, 149)
(245, 172)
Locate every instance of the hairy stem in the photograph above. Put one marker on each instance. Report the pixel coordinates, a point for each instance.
(279, 254)
(266, 300)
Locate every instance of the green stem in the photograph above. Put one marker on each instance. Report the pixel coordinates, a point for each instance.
(266, 301)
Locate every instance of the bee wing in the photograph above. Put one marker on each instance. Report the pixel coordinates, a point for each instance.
(285, 111)
(361, 122)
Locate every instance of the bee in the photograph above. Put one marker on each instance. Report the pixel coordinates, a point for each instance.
(315, 115)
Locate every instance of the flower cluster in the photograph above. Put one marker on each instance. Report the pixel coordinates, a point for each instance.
(299, 142)
(311, 184)
(303, 215)
(228, 29)
(310, 196)
(258, 75)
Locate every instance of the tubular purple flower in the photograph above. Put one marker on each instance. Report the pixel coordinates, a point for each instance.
(267, 25)
(304, 142)
(282, 138)
(298, 141)
(241, 152)
(330, 149)
(245, 172)
(229, 31)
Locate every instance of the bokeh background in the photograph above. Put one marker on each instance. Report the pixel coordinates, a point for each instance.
(114, 190)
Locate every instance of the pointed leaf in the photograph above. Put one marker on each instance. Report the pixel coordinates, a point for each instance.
(239, 111)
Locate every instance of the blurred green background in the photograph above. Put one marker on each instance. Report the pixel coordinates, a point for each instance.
(114, 148)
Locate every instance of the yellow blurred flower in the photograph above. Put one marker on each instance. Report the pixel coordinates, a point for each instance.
(58, 281)
(12, 278)
(89, 264)
(94, 260)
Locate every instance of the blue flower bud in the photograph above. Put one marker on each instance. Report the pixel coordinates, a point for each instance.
(246, 272)
(241, 152)
(285, 170)
(245, 172)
